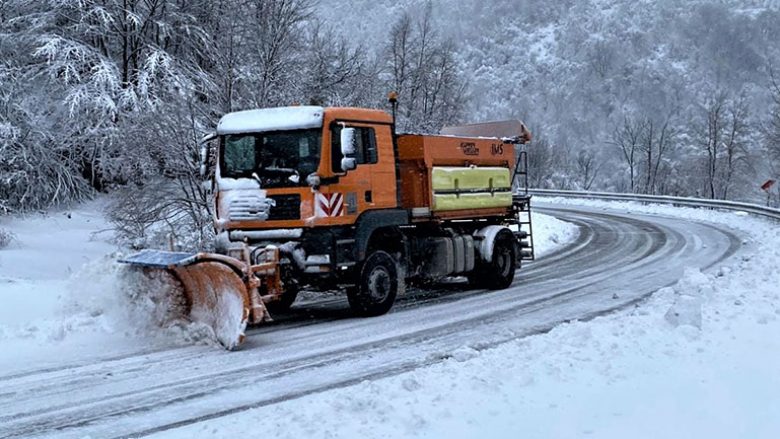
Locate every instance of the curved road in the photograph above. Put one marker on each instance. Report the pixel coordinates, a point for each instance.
(618, 260)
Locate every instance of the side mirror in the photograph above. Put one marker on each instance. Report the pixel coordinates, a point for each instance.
(348, 142)
(348, 164)
(204, 160)
(205, 153)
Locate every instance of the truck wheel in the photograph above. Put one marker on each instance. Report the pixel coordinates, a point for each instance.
(291, 289)
(377, 286)
(500, 271)
(284, 303)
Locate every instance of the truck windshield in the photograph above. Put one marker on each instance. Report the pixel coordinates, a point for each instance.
(278, 158)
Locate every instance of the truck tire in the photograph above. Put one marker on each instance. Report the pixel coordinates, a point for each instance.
(291, 289)
(378, 284)
(284, 303)
(500, 271)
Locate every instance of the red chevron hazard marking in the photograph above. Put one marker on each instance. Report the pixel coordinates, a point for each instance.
(330, 204)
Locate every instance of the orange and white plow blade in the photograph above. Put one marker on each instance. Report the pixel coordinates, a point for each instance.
(216, 294)
(217, 298)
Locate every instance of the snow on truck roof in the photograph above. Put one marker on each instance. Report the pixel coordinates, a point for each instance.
(271, 119)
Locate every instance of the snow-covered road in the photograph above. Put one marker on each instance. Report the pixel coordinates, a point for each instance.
(617, 260)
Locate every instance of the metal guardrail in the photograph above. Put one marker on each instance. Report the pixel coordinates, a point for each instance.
(756, 209)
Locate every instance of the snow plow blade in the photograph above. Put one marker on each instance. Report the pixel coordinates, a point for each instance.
(214, 288)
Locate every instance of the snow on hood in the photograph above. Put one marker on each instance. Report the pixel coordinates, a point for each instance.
(271, 119)
(227, 184)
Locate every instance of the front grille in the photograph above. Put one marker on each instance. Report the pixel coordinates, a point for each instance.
(288, 207)
(248, 207)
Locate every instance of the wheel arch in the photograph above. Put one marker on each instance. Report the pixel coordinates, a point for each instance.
(487, 238)
(376, 226)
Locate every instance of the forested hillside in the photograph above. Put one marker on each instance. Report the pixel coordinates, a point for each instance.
(667, 96)
(684, 86)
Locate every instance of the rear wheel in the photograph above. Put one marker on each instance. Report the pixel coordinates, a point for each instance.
(500, 271)
(377, 286)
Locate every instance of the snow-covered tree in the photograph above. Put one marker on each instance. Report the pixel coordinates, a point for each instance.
(100, 94)
(772, 137)
(424, 72)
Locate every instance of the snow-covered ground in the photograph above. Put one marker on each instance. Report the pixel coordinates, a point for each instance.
(699, 359)
(550, 233)
(64, 299)
(62, 294)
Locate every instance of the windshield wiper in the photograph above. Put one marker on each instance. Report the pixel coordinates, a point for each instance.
(282, 170)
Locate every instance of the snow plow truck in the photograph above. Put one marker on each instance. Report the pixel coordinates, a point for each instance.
(334, 198)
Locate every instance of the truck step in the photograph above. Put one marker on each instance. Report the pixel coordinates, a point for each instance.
(522, 234)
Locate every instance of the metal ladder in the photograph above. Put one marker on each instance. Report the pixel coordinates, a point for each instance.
(521, 201)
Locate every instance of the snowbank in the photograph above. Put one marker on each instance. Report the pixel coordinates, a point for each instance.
(550, 233)
(699, 359)
(65, 298)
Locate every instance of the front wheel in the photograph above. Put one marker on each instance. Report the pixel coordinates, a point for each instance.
(284, 302)
(291, 289)
(377, 286)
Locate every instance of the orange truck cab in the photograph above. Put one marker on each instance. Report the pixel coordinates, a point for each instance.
(350, 204)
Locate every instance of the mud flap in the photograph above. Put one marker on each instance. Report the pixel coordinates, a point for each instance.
(214, 289)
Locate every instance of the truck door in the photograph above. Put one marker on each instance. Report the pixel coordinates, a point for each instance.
(371, 185)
